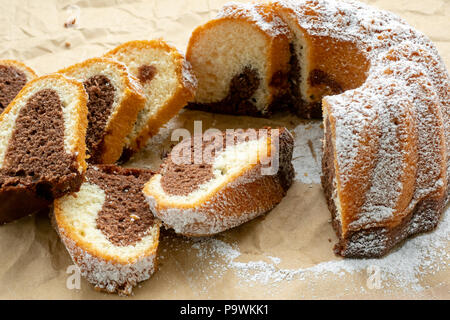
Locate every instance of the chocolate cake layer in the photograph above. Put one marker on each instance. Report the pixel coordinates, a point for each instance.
(36, 168)
(183, 179)
(12, 80)
(238, 101)
(101, 98)
(286, 172)
(180, 179)
(36, 151)
(125, 217)
(146, 73)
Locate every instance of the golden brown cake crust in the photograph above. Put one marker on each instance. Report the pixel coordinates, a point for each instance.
(124, 116)
(375, 241)
(185, 90)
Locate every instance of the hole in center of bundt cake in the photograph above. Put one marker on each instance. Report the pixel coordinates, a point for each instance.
(125, 217)
(101, 98)
(12, 81)
(318, 77)
(295, 69)
(35, 152)
(146, 73)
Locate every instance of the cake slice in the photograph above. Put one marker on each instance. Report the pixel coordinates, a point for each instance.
(241, 61)
(42, 148)
(115, 98)
(217, 181)
(13, 77)
(108, 228)
(167, 82)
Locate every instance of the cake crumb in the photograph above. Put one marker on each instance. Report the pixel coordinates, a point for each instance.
(70, 23)
(73, 12)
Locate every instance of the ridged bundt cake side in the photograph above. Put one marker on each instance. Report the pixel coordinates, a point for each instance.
(385, 164)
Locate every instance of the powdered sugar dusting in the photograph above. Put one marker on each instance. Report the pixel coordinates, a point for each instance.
(258, 14)
(392, 133)
(105, 274)
(402, 268)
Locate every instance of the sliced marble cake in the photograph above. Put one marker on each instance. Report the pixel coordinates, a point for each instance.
(167, 81)
(108, 228)
(115, 98)
(218, 181)
(42, 148)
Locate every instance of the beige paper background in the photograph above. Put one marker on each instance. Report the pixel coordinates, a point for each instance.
(286, 254)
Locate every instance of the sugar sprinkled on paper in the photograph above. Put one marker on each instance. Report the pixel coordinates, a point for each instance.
(417, 257)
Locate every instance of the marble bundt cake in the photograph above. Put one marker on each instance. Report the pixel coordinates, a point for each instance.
(108, 228)
(167, 82)
(115, 98)
(13, 77)
(241, 61)
(384, 91)
(42, 148)
(218, 181)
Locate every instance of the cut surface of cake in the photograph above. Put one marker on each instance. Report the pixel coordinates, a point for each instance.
(216, 181)
(42, 148)
(108, 228)
(241, 61)
(13, 77)
(321, 65)
(114, 100)
(167, 82)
